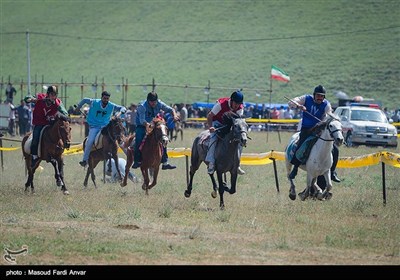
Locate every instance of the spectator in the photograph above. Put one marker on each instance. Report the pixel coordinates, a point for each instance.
(11, 118)
(275, 114)
(10, 92)
(183, 114)
(130, 118)
(23, 118)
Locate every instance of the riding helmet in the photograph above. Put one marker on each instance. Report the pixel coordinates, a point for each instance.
(152, 96)
(237, 96)
(52, 89)
(320, 90)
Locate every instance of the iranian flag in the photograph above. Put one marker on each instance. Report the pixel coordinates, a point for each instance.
(279, 74)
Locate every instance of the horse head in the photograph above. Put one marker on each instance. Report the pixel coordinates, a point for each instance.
(63, 124)
(159, 128)
(240, 128)
(334, 128)
(116, 129)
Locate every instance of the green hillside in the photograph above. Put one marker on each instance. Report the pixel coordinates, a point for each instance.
(351, 46)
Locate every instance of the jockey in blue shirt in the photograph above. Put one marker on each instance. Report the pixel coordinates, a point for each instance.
(146, 111)
(99, 115)
(316, 107)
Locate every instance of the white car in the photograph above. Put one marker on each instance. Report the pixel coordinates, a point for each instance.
(366, 125)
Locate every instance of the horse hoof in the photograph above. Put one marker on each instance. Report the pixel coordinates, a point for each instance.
(214, 194)
(303, 196)
(58, 183)
(187, 194)
(122, 184)
(292, 196)
(66, 192)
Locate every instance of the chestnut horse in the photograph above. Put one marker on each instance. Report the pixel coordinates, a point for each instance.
(105, 147)
(55, 138)
(152, 149)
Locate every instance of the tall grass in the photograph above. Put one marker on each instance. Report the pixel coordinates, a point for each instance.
(114, 225)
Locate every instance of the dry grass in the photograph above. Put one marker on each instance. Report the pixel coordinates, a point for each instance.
(114, 225)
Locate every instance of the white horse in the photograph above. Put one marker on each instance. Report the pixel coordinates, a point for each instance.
(320, 159)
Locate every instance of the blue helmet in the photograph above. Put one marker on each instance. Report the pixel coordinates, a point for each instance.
(237, 96)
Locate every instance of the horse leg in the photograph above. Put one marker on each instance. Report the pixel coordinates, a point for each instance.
(115, 158)
(61, 170)
(194, 166)
(56, 172)
(129, 161)
(292, 190)
(146, 179)
(326, 194)
(155, 175)
(221, 190)
(214, 183)
(234, 175)
(29, 181)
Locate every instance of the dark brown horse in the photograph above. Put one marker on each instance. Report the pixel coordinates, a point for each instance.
(55, 138)
(105, 147)
(152, 149)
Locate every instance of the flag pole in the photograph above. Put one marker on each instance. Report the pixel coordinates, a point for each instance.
(270, 103)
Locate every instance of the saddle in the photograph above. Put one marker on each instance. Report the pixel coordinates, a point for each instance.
(303, 152)
(27, 146)
(98, 142)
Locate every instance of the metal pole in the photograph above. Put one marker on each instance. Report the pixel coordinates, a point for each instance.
(28, 57)
(383, 183)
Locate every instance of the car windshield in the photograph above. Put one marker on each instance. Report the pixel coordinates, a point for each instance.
(372, 116)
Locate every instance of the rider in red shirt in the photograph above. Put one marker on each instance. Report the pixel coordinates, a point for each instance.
(46, 106)
(214, 120)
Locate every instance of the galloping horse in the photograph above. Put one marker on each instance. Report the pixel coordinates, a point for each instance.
(54, 139)
(105, 147)
(152, 149)
(320, 159)
(227, 156)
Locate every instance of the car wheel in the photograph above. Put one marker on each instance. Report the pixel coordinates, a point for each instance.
(349, 139)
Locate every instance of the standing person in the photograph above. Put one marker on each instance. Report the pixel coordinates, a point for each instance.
(146, 111)
(130, 117)
(23, 118)
(11, 118)
(47, 105)
(10, 92)
(98, 116)
(214, 120)
(183, 114)
(315, 108)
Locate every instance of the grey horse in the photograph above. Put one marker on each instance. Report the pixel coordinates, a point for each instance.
(227, 155)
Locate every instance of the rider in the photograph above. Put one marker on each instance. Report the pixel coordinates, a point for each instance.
(47, 105)
(214, 120)
(99, 115)
(314, 107)
(146, 111)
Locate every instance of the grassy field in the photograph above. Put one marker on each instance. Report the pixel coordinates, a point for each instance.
(114, 225)
(351, 46)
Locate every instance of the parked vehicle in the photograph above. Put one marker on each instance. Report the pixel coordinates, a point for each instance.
(366, 125)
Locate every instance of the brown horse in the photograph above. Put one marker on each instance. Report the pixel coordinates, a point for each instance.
(105, 147)
(152, 149)
(55, 138)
